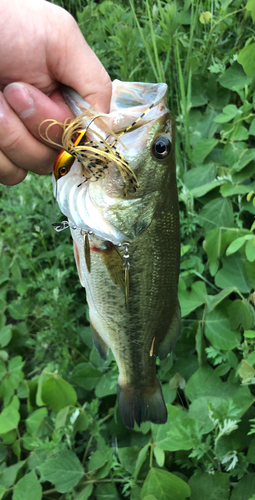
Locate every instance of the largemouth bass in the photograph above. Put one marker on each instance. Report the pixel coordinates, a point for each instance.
(120, 198)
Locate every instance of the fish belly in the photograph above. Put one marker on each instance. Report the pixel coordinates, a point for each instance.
(149, 325)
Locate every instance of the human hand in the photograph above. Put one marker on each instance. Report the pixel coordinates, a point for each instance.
(41, 46)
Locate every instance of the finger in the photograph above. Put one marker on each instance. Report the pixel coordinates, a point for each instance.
(33, 107)
(19, 145)
(10, 174)
(72, 62)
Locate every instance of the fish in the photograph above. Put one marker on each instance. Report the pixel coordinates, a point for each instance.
(115, 181)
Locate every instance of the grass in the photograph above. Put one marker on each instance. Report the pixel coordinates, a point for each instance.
(59, 409)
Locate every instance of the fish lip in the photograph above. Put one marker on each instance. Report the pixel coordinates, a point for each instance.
(129, 101)
(139, 94)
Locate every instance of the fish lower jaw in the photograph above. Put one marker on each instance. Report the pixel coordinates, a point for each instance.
(80, 205)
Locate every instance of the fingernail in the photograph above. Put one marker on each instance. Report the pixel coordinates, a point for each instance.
(19, 99)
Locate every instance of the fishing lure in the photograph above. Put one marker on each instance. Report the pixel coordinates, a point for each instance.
(94, 156)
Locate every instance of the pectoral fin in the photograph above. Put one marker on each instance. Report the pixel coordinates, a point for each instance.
(100, 345)
(167, 344)
(114, 263)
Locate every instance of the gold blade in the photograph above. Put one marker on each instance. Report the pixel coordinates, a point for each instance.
(87, 252)
(126, 285)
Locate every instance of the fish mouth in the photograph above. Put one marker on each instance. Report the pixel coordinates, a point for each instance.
(130, 100)
(135, 106)
(133, 99)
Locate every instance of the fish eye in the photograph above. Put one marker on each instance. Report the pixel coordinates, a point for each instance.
(161, 147)
(63, 170)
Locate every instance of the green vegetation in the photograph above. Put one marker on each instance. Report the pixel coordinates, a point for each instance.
(61, 435)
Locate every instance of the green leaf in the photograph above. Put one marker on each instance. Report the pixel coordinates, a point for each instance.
(205, 486)
(229, 112)
(191, 299)
(252, 127)
(250, 6)
(128, 457)
(243, 160)
(9, 474)
(19, 309)
(245, 488)
(233, 273)
(199, 95)
(57, 393)
(215, 300)
(61, 417)
(246, 371)
(202, 150)
(229, 189)
(99, 459)
(206, 383)
(241, 314)
(202, 190)
(164, 485)
(64, 471)
(250, 270)
(34, 420)
(86, 376)
(218, 329)
(2, 370)
(246, 58)
(45, 375)
(199, 410)
(9, 417)
(216, 213)
(140, 460)
(107, 492)
(234, 78)
(85, 493)
(250, 250)
(159, 456)
(83, 421)
(199, 176)
(5, 335)
(212, 246)
(179, 433)
(249, 334)
(107, 384)
(28, 488)
(135, 492)
(2, 491)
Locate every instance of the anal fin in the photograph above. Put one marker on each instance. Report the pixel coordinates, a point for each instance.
(100, 345)
(167, 344)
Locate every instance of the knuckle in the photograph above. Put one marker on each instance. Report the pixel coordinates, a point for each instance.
(11, 142)
(10, 174)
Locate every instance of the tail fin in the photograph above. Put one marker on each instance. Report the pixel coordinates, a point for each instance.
(140, 405)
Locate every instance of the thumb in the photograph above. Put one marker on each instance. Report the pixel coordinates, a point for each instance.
(72, 62)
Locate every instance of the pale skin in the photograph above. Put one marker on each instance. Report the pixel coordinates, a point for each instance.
(41, 47)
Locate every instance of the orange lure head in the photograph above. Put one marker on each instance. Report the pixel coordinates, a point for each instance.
(65, 160)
